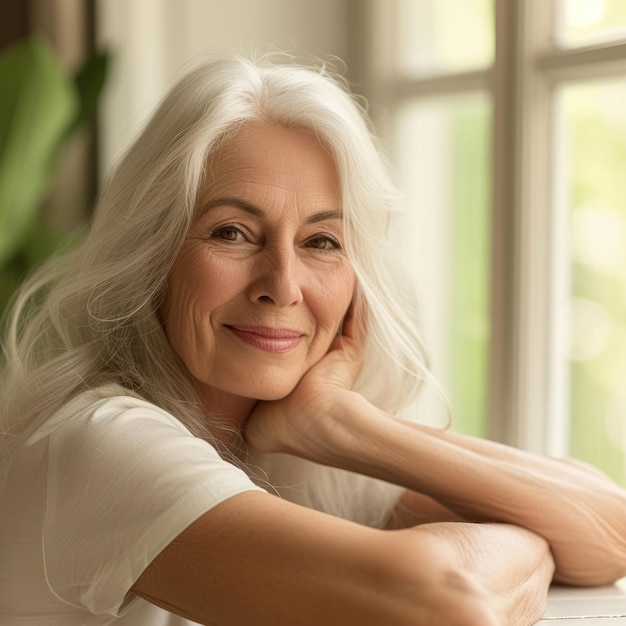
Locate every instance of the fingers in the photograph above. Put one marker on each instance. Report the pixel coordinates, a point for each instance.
(349, 344)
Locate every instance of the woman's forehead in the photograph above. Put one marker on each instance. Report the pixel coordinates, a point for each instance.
(273, 155)
(283, 145)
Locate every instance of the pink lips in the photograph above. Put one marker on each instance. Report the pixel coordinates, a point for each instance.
(267, 338)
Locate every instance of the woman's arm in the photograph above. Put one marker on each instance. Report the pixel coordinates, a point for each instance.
(579, 511)
(256, 559)
(414, 508)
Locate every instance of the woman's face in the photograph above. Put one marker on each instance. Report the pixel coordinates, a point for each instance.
(262, 282)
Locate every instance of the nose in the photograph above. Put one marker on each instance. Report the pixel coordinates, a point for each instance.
(277, 278)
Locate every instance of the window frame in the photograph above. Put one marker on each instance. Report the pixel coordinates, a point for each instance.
(528, 383)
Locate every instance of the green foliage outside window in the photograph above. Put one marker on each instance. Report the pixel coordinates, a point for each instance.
(595, 123)
(41, 107)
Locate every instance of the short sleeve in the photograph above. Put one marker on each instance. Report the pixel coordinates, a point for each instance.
(124, 479)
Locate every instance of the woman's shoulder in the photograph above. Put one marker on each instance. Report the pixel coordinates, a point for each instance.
(106, 406)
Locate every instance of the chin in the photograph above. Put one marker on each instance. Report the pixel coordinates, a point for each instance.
(266, 395)
(270, 391)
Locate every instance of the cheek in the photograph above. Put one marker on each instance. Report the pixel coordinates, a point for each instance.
(177, 313)
(187, 297)
(198, 285)
(195, 286)
(332, 300)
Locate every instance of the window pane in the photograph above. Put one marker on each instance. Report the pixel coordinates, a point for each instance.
(444, 36)
(594, 149)
(583, 22)
(443, 154)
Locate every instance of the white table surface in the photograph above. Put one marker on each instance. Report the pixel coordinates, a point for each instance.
(596, 606)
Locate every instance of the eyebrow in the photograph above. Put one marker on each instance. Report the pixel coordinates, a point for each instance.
(256, 211)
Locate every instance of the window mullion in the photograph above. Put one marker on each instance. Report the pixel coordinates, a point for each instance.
(477, 80)
(501, 419)
(525, 389)
(587, 63)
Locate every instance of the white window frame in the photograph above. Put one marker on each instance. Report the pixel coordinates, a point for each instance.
(528, 382)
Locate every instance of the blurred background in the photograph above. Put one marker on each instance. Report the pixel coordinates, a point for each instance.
(506, 123)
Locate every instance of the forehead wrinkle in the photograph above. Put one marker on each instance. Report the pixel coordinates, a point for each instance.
(253, 165)
(240, 170)
(244, 179)
(255, 197)
(252, 203)
(256, 175)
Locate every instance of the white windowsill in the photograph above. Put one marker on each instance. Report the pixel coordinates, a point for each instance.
(596, 606)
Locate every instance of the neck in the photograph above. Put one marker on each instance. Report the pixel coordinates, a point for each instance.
(227, 410)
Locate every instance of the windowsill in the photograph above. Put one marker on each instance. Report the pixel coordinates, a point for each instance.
(597, 606)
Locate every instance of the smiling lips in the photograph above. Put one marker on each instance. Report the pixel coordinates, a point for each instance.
(268, 339)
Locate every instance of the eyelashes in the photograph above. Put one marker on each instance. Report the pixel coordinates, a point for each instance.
(230, 233)
(324, 241)
(238, 234)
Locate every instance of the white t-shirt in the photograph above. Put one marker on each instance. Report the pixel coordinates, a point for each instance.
(96, 494)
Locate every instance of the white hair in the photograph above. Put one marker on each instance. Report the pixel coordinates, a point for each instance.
(91, 317)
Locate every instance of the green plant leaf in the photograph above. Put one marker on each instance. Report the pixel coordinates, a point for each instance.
(10, 277)
(37, 104)
(89, 81)
(41, 243)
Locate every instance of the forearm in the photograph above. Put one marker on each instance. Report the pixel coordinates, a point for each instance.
(414, 509)
(258, 559)
(579, 512)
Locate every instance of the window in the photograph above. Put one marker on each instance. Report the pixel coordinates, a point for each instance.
(592, 152)
(507, 123)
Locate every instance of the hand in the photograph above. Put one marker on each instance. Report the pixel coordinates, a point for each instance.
(286, 425)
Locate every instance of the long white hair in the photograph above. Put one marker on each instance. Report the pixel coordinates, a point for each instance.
(91, 317)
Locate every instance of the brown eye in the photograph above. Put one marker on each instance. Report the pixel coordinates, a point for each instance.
(323, 242)
(228, 233)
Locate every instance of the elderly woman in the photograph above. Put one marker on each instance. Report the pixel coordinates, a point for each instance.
(197, 403)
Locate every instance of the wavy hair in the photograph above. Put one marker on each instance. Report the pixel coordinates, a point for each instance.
(90, 318)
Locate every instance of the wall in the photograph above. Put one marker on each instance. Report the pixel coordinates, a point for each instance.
(153, 41)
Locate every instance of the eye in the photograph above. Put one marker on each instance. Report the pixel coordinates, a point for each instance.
(324, 242)
(229, 233)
